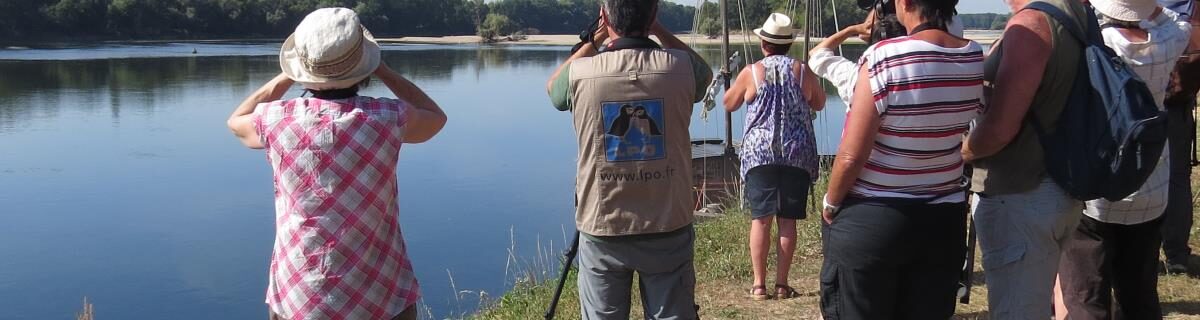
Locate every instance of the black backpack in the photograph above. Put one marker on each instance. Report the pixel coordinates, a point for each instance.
(1111, 133)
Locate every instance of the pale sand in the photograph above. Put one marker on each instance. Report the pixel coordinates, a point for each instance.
(983, 37)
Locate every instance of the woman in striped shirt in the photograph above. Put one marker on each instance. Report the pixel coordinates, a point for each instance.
(896, 207)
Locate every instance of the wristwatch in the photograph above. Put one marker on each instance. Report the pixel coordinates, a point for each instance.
(827, 206)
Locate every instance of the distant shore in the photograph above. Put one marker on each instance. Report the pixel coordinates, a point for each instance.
(981, 36)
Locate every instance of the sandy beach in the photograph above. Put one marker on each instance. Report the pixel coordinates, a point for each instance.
(981, 36)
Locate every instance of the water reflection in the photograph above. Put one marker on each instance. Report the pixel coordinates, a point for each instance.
(120, 182)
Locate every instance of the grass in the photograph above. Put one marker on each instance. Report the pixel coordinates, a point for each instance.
(723, 278)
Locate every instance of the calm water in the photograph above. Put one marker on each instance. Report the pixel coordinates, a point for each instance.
(120, 182)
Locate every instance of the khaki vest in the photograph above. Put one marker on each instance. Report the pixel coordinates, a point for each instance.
(1020, 166)
(631, 111)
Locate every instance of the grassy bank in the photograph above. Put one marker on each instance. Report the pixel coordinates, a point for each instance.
(723, 278)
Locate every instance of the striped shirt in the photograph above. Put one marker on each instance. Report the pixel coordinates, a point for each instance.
(926, 96)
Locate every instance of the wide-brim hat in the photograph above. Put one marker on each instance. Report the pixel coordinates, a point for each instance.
(330, 49)
(777, 29)
(1126, 10)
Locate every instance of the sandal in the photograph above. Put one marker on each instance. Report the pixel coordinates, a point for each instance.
(783, 291)
(756, 296)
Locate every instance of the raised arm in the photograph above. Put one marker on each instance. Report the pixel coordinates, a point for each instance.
(739, 92)
(587, 50)
(1026, 48)
(839, 37)
(426, 119)
(241, 122)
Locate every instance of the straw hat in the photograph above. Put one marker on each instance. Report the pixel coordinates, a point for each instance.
(329, 50)
(777, 29)
(1126, 10)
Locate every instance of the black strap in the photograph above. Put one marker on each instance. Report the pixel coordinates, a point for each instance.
(926, 26)
(631, 43)
(334, 94)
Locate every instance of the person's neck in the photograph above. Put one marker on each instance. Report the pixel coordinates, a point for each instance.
(1017, 5)
(912, 22)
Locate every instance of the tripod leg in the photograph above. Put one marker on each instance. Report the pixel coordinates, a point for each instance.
(562, 279)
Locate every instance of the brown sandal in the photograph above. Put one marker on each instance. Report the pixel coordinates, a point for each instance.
(759, 296)
(783, 291)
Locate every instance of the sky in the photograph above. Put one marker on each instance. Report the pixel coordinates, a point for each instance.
(964, 6)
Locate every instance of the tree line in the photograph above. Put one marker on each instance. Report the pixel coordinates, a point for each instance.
(239, 19)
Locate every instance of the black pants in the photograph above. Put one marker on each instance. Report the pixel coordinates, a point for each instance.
(1177, 220)
(893, 261)
(1102, 260)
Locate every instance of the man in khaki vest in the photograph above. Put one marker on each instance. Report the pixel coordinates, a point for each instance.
(631, 100)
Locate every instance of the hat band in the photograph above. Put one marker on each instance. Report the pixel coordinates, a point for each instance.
(764, 33)
(339, 66)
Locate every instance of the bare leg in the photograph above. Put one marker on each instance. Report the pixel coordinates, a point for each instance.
(1060, 307)
(787, 248)
(760, 244)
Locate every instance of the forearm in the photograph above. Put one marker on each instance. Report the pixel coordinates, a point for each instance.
(587, 50)
(670, 41)
(834, 40)
(271, 91)
(846, 168)
(409, 92)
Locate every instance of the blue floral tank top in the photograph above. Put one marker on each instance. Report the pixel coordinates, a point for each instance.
(779, 128)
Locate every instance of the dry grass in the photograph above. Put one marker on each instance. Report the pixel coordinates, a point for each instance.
(723, 276)
(87, 313)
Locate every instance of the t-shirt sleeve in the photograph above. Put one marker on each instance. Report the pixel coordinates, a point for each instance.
(879, 77)
(560, 90)
(837, 69)
(258, 117)
(704, 75)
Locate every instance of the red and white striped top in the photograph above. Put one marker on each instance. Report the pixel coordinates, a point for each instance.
(339, 253)
(926, 96)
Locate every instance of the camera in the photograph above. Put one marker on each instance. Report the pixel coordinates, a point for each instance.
(884, 6)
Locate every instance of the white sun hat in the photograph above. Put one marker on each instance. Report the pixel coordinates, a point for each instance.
(777, 29)
(330, 49)
(1126, 10)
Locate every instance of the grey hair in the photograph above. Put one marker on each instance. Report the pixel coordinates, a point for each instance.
(631, 17)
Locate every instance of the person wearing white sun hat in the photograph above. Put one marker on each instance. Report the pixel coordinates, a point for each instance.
(339, 252)
(779, 150)
(1109, 266)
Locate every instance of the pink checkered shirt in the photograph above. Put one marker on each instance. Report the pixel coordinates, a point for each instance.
(338, 250)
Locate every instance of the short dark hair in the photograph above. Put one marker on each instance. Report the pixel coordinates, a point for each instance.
(631, 17)
(887, 27)
(937, 13)
(775, 48)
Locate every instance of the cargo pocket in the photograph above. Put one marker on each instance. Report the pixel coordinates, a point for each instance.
(1000, 241)
(830, 285)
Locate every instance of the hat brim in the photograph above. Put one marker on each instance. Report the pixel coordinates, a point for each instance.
(293, 67)
(1124, 13)
(764, 37)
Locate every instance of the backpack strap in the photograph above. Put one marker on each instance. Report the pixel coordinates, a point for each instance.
(1065, 20)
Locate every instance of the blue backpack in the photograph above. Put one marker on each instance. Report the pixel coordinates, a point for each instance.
(1110, 135)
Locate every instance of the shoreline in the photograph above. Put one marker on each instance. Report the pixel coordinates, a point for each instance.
(981, 36)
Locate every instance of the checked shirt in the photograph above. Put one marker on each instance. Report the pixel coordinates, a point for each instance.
(338, 250)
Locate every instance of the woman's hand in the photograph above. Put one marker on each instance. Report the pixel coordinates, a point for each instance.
(828, 210)
(864, 30)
